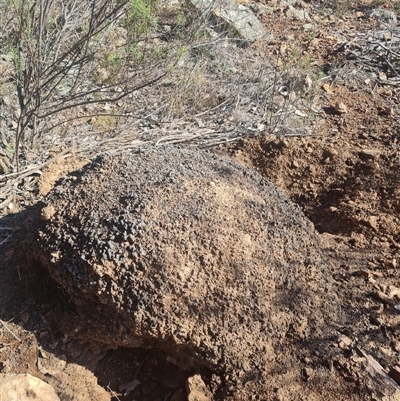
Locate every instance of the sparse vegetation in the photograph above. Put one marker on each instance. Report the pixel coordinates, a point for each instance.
(66, 55)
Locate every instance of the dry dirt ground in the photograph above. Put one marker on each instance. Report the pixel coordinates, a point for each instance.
(345, 176)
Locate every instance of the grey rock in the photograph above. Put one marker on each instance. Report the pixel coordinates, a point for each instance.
(383, 15)
(295, 9)
(300, 14)
(308, 27)
(260, 9)
(235, 20)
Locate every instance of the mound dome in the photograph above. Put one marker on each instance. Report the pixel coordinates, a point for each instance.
(186, 251)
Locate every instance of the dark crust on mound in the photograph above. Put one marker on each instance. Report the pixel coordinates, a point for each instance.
(183, 250)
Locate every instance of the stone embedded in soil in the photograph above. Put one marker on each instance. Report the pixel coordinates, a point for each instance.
(154, 255)
(340, 108)
(24, 387)
(197, 390)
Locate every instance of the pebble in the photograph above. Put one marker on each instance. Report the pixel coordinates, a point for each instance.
(344, 341)
(307, 373)
(371, 222)
(197, 390)
(340, 108)
(327, 89)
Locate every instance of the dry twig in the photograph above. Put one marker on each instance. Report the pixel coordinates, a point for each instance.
(5, 326)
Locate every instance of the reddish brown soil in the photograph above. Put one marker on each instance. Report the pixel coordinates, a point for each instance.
(345, 177)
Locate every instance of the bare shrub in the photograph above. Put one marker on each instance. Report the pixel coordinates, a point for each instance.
(68, 55)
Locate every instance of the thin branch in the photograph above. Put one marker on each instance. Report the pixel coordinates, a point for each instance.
(14, 335)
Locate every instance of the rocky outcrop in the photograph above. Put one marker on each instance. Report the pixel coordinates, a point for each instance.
(185, 251)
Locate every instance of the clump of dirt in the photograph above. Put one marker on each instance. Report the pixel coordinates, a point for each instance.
(185, 251)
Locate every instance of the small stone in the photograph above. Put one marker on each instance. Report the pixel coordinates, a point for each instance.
(307, 81)
(53, 364)
(327, 89)
(129, 387)
(299, 14)
(340, 108)
(344, 341)
(261, 127)
(371, 222)
(197, 390)
(383, 15)
(307, 373)
(382, 76)
(387, 36)
(24, 387)
(285, 143)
